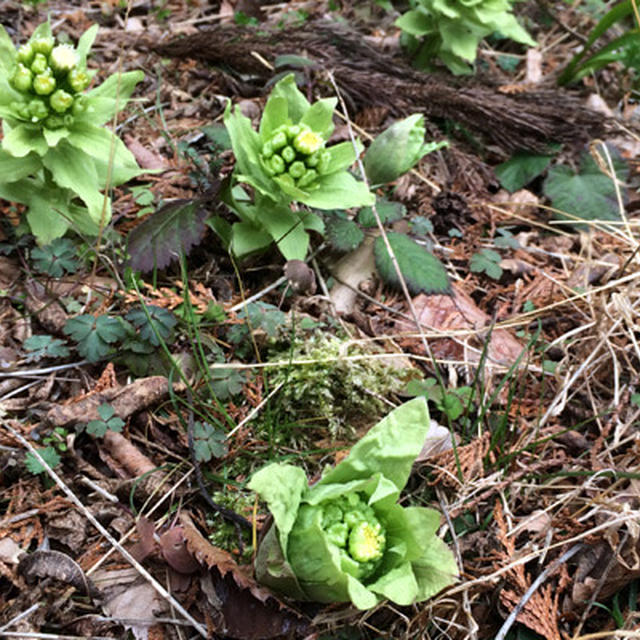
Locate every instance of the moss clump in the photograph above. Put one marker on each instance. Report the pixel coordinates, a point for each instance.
(343, 384)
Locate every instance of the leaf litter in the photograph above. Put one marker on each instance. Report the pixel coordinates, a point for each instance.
(544, 457)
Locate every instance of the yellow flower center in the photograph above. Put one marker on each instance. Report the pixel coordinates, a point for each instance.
(310, 141)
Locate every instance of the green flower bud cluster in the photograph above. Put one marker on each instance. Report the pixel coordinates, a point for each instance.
(296, 154)
(52, 79)
(352, 526)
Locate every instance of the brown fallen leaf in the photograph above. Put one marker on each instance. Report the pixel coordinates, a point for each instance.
(240, 608)
(458, 312)
(55, 564)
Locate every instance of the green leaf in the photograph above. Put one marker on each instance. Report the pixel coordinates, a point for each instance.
(227, 382)
(85, 43)
(74, 170)
(155, 324)
(95, 336)
(246, 239)
(397, 149)
(343, 155)
(296, 102)
(275, 114)
(388, 211)
(589, 194)
(423, 272)
(208, 442)
(110, 97)
(48, 454)
(56, 259)
(288, 232)
(343, 234)
(7, 51)
(99, 143)
(521, 169)
(281, 486)
(23, 139)
(13, 169)
(487, 261)
(335, 191)
(44, 346)
(389, 448)
(319, 118)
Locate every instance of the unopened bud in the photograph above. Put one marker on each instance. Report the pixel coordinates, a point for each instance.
(25, 54)
(22, 78)
(38, 110)
(42, 45)
(61, 101)
(44, 84)
(288, 154)
(39, 64)
(78, 79)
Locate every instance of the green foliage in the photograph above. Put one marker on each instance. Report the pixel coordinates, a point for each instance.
(155, 324)
(108, 421)
(624, 48)
(421, 226)
(287, 161)
(331, 389)
(422, 271)
(56, 259)
(451, 30)
(452, 402)
(388, 211)
(397, 149)
(521, 169)
(343, 234)
(43, 346)
(589, 194)
(487, 261)
(505, 239)
(48, 454)
(208, 442)
(95, 336)
(305, 556)
(227, 382)
(55, 151)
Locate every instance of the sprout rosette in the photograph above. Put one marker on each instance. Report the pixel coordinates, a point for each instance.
(56, 156)
(346, 538)
(452, 29)
(288, 157)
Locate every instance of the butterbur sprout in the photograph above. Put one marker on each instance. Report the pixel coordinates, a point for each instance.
(346, 538)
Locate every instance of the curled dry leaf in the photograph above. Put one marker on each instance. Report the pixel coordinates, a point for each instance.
(55, 564)
(241, 609)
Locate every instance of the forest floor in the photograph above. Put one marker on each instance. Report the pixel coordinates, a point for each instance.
(530, 360)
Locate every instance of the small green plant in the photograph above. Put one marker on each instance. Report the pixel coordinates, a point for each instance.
(48, 454)
(346, 538)
(108, 421)
(451, 30)
(487, 261)
(95, 336)
(44, 346)
(208, 442)
(624, 49)
(287, 161)
(56, 259)
(452, 402)
(56, 156)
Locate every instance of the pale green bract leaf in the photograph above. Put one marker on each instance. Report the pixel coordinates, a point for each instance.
(21, 140)
(275, 114)
(110, 97)
(86, 42)
(13, 169)
(297, 103)
(389, 448)
(287, 230)
(319, 117)
(343, 155)
(7, 51)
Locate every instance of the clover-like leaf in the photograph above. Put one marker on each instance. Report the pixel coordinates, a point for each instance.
(154, 323)
(95, 336)
(208, 442)
(57, 258)
(44, 346)
(487, 261)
